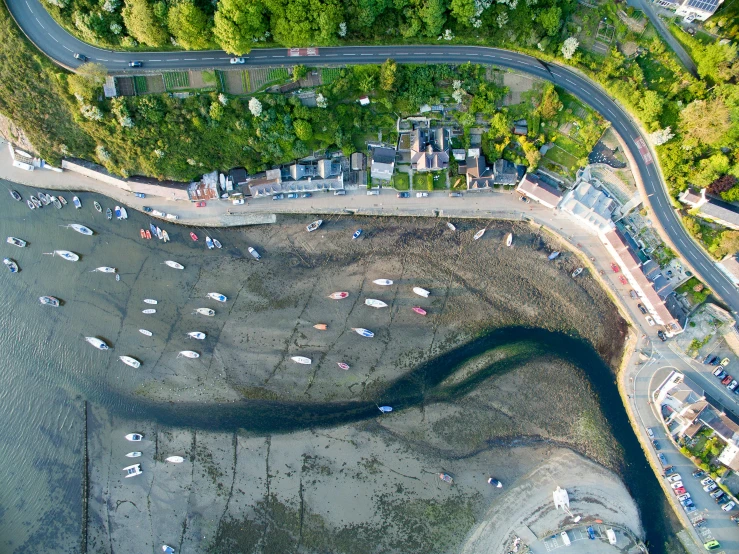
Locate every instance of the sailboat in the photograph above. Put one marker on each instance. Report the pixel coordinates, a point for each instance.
(385, 409)
(175, 265)
(124, 213)
(509, 240)
(217, 296)
(104, 269)
(15, 195)
(383, 282)
(479, 234)
(66, 254)
(49, 301)
(497, 484)
(196, 335)
(97, 343)
(364, 332)
(421, 292)
(577, 272)
(98, 207)
(31, 204)
(338, 295)
(301, 360)
(117, 212)
(76, 202)
(56, 202)
(16, 242)
(149, 311)
(375, 303)
(128, 360)
(205, 311)
(11, 264)
(165, 236)
(80, 229)
(188, 354)
(217, 243)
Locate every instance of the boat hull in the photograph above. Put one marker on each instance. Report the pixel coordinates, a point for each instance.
(421, 292)
(301, 360)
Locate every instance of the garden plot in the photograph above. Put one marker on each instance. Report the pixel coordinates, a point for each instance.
(235, 81)
(155, 84)
(124, 86)
(517, 84)
(176, 80)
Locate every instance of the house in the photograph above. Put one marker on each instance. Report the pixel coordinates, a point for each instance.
(321, 175)
(691, 10)
(521, 127)
(364, 101)
(238, 176)
(590, 207)
(429, 149)
(536, 189)
(480, 176)
(382, 164)
(711, 208)
(729, 266)
(459, 154)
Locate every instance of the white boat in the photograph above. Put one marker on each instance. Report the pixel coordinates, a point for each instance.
(509, 240)
(175, 265)
(175, 459)
(81, 229)
(124, 213)
(167, 549)
(62, 200)
(209, 242)
(149, 311)
(421, 292)
(315, 225)
(17, 242)
(104, 269)
(146, 332)
(254, 253)
(364, 332)
(165, 236)
(577, 272)
(160, 236)
(97, 343)
(128, 360)
(493, 481)
(133, 471)
(55, 201)
(217, 296)
(11, 265)
(385, 409)
(479, 234)
(134, 437)
(196, 335)
(66, 254)
(301, 360)
(133, 455)
(383, 282)
(205, 311)
(217, 243)
(451, 226)
(49, 301)
(552, 256)
(97, 205)
(76, 202)
(150, 301)
(375, 303)
(188, 354)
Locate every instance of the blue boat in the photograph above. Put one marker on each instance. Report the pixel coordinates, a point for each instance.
(553, 255)
(356, 234)
(153, 230)
(385, 409)
(117, 212)
(364, 332)
(591, 533)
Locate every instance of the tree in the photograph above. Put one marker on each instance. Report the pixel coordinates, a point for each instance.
(238, 23)
(189, 25)
(433, 14)
(710, 169)
(650, 106)
(715, 61)
(661, 136)
(722, 184)
(303, 130)
(299, 71)
(500, 126)
(142, 24)
(533, 157)
(569, 48)
(388, 75)
(704, 122)
(550, 102)
(255, 107)
(550, 19)
(463, 10)
(84, 84)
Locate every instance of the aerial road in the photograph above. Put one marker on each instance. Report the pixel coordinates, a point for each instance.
(60, 46)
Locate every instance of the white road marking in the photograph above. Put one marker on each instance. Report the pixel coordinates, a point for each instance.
(174, 60)
(155, 60)
(403, 54)
(349, 54)
(52, 36)
(330, 55)
(224, 58)
(214, 58)
(257, 57)
(102, 60)
(366, 54)
(571, 82)
(39, 22)
(189, 59)
(67, 48)
(650, 195)
(504, 58)
(272, 56)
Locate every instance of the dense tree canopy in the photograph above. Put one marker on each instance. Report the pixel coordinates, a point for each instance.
(189, 25)
(143, 24)
(239, 23)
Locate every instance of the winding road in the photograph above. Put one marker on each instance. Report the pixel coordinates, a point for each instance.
(60, 46)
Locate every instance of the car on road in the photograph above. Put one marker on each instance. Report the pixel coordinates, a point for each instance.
(661, 335)
(524, 199)
(655, 444)
(341, 192)
(710, 487)
(615, 268)
(307, 195)
(732, 385)
(726, 380)
(80, 57)
(728, 506)
(706, 481)
(292, 195)
(238, 202)
(642, 309)
(725, 362)
(147, 209)
(422, 194)
(278, 197)
(135, 64)
(650, 321)
(373, 193)
(234, 61)
(200, 204)
(455, 195)
(712, 544)
(404, 195)
(662, 459)
(675, 477)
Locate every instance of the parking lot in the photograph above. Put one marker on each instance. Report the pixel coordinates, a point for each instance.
(579, 542)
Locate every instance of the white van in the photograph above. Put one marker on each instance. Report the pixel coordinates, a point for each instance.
(565, 538)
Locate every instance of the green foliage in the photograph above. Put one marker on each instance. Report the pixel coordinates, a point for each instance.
(329, 74)
(238, 23)
(189, 25)
(650, 107)
(299, 71)
(550, 19)
(176, 79)
(143, 24)
(303, 130)
(302, 22)
(550, 102)
(277, 74)
(433, 15)
(388, 75)
(140, 85)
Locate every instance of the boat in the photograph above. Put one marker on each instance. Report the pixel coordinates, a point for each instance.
(315, 225)
(553, 255)
(117, 212)
(174, 265)
(209, 243)
(193, 236)
(128, 360)
(446, 478)
(421, 292)
(167, 549)
(385, 409)
(57, 204)
(217, 296)
(15, 195)
(132, 471)
(301, 360)
(81, 229)
(165, 236)
(338, 295)
(205, 311)
(217, 243)
(577, 272)
(11, 265)
(133, 455)
(76, 202)
(142, 233)
(117, 277)
(148, 234)
(188, 354)
(160, 236)
(62, 200)
(175, 459)
(419, 310)
(134, 437)
(375, 303)
(44, 198)
(254, 253)
(49, 301)
(356, 234)
(153, 229)
(149, 311)
(98, 207)
(124, 213)
(196, 335)
(36, 201)
(146, 332)
(98, 343)
(151, 301)
(343, 366)
(66, 254)
(320, 326)
(451, 226)
(509, 240)
(16, 242)
(31, 204)
(104, 269)
(497, 484)
(364, 332)
(109, 213)
(383, 282)
(479, 234)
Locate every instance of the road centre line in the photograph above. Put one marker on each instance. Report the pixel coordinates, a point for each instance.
(52, 36)
(349, 54)
(272, 56)
(211, 58)
(67, 48)
(39, 22)
(155, 60)
(255, 57)
(504, 58)
(189, 60)
(366, 54)
(571, 82)
(331, 55)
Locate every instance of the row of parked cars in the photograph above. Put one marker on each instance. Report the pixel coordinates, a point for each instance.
(720, 373)
(709, 485)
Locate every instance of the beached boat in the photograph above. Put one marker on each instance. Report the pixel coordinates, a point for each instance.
(577, 272)
(16, 242)
(338, 295)
(142, 233)
(76, 202)
(133, 455)
(209, 242)
(132, 471)
(301, 360)
(553, 255)
(146, 332)
(479, 234)
(205, 311)
(364, 332)
(160, 235)
(55, 201)
(254, 253)
(509, 240)
(193, 236)
(153, 229)
(421, 292)
(174, 265)
(134, 437)
(36, 201)
(109, 214)
(343, 366)
(446, 478)
(149, 311)
(188, 354)
(45, 200)
(65, 254)
(497, 484)
(356, 234)
(217, 243)
(320, 326)
(31, 204)
(81, 229)
(167, 549)
(174, 459)
(62, 200)
(128, 360)
(217, 296)
(419, 310)
(124, 213)
(98, 343)
(385, 409)
(383, 282)
(49, 301)
(375, 303)
(117, 276)
(148, 234)
(14, 194)
(117, 212)
(150, 301)
(315, 225)
(104, 269)
(451, 226)
(165, 236)
(11, 265)
(98, 207)
(196, 335)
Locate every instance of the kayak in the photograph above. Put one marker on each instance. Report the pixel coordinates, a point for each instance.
(193, 236)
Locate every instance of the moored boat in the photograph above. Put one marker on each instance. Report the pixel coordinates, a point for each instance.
(196, 335)
(385, 409)
(174, 265)
(446, 478)
(49, 301)
(160, 236)
(36, 201)
(11, 265)
(134, 437)
(343, 366)
(497, 484)
(16, 242)
(419, 310)
(479, 234)
(65, 254)
(81, 229)
(167, 549)
(165, 236)
(31, 204)
(338, 295)
(109, 213)
(421, 292)
(217, 243)
(374, 303)
(128, 360)
(217, 296)
(254, 253)
(174, 459)
(45, 200)
(104, 269)
(301, 360)
(193, 236)
(320, 326)
(57, 204)
(357, 234)
(383, 282)
(117, 212)
(205, 311)
(124, 213)
(364, 332)
(188, 354)
(133, 455)
(148, 234)
(315, 225)
(14, 194)
(142, 233)
(76, 202)
(98, 207)
(98, 343)
(132, 471)
(153, 229)
(553, 255)
(151, 301)
(509, 240)
(577, 272)
(146, 332)
(209, 242)
(62, 200)
(451, 226)
(149, 311)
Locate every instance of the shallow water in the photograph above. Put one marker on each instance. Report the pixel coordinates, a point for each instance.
(47, 371)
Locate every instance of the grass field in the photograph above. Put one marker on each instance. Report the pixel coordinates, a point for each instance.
(277, 74)
(401, 181)
(246, 81)
(139, 83)
(562, 157)
(329, 74)
(176, 79)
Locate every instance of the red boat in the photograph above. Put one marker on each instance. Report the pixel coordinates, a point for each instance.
(143, 234)
(343, 366)
(193, 236)
(338, 295)
(148, 234)
(419, 310)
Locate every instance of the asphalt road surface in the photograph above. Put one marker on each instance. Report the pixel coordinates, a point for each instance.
(60, 46)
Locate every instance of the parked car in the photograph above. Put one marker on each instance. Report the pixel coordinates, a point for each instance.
(139, 195)
(373, 192)
(455, 195)
(690, 509)
(655, 444)
(404, 195)
(732, 385)
(642, 309)
(238, 202)
(718, 371)
(687, 502)
(698, 473)
(135, 64)
(683, 496)
(706, 358)
(662, 459)
(307, 195)
(725, 362)
(710, 487)
(679, 491)
(719, 497)
(633, 294)
(669, 470)
(200, 204)
(80, 57)
(147, 209)
(721, 374)
(677, 485)
(726, 380)
(234, 61)
(706, 481)
(714, 360)
(650, 321)
(278, 197)
(674, 478)
(615, 268)
(728, 506)
(650, 432)
(292, 195)
(341, 192)
(524, 199)
(661, 335)
(422, 194)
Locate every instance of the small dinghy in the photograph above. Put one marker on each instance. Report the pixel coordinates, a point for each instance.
(62, 200)
(117, 277)
(338, 295)
(509, 240)
(209, 242)
(375, 303)
(451, 226)
(98, 343)
(364, 332)
(217, 296)
(31, 204)
(153, 229)
(160, 236)
(343, 366)
(11, 265)
(301, 360)
(217, 243)
(577, 272)
(167, 549)
(128, 360)
(15, 195)
(357, 234)
(76, 202)
(124, 213)
(165, 236)
(188, 354)
(446, 478)
(109, 214)
(383, 282)
(174, 265)
(81, 229)
(132, 471)
(553, 255)
(149, 311)
(55, 201)
(146, 332)
(49, 301)
(385, 409)
(134, 437)
(16, 242)
(148, 234)
(320, 326)
(117, 212)
(497, 484)
(421, 292)
(142, 233)
(98, 207)
(36, 201)
(193, 236)
(133, 455)
(479, 234)
(104, 269)
(150, 301)
(315, 225)
(254, 253)
(196, 335)
(175, 459)
(44, 198)
(419, 310)
(205, 311)
(66, 254)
